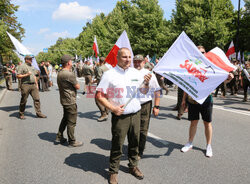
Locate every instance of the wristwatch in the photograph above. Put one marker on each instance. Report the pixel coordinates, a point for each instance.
(157, 106)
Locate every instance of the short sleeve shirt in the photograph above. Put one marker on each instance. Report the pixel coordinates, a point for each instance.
(119, 86)
(66, 81)
(153, 86)
(24, 69)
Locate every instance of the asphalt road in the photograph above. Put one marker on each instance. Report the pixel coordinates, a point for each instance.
(28, 154)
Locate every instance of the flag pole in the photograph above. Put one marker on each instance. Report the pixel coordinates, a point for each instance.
(238, 32)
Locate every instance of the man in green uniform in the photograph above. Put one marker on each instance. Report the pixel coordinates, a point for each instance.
(68, 85)
(27, 74)
(99, 70)
(8, 76)
(87, 72)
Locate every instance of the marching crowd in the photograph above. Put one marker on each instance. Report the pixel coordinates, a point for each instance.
(129, 93)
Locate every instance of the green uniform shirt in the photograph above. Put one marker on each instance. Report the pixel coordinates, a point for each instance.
(24, 69)
(148, 66)
(243, 74)
(66, 82)
(99, 70)
(87, 70)
(8, 70)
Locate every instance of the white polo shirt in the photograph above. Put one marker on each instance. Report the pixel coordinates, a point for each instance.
(153, 86)
(119, 84)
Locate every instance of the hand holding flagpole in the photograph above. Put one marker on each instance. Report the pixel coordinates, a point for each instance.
(143, 84)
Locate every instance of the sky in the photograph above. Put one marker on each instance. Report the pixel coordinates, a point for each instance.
(47, 20)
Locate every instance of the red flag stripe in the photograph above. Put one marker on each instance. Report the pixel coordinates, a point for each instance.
(218, 61)
(95, 49)
(112, 56)
(230, 51)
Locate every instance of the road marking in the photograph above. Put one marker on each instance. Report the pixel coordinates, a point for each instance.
(158, 138)
(232, 110)
(229, 109)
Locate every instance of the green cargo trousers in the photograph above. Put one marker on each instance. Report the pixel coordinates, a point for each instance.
(121, 126)
(145, 118)
(69, 121)
(26, 90)
(8, 81)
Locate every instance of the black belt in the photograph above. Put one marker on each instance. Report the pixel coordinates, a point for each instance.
(29, 83)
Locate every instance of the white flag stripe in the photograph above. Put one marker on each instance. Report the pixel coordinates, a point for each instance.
(222, 55)
(123, 41)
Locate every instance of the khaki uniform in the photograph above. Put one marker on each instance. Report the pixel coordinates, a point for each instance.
(8, 77)
(99, 70)
(66, 81)
(148, 66)
(19, 80)
(87, 72)
(28, 87)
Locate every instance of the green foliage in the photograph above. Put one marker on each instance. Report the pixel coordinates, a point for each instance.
(207, 22)
(68, 46)
(244, 36)
(8, 22)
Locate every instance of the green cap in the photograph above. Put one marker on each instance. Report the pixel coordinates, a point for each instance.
(138, 57)
(66, 58)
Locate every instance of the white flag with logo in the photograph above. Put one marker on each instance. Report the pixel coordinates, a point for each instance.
(187, 67)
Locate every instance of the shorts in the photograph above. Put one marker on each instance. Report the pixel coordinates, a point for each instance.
(194, 111)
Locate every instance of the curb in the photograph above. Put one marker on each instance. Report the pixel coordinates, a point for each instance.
(2, 93)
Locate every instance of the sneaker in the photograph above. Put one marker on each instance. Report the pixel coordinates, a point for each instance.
(113, 178)
(186, 148)
(40, 115)
(75, 144)
(209, 152)
(60, 140)
(136, 173)
(83, 93)
(102, 118)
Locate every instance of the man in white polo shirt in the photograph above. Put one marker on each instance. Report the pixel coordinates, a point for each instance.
(146, 102)
(117, 85)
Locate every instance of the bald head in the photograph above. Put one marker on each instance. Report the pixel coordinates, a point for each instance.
(124, 58)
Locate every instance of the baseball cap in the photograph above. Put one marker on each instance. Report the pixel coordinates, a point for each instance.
(138, 57)
(65, 58)
(28, 57)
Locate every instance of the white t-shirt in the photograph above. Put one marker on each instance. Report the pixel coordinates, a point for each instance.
(119, 85)
(153, 86)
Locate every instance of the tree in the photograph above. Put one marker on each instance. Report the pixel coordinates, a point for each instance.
(148, 30)
(207, 22)
(8, 22)
(68, 46)
(244, 36)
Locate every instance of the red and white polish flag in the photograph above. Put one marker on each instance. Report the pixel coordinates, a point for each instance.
(218, 57)
(95, 47)
(122, 42)
(231, 51)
